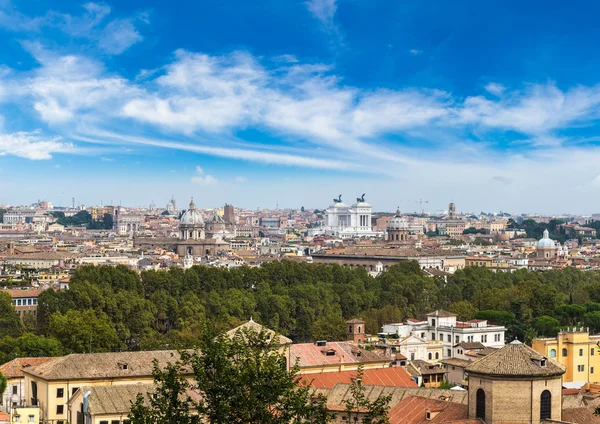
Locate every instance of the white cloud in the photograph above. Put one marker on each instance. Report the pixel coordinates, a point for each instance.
(201, 179)
(106, 159)
(324, 10)
(118, 36)
(495, 88)
(415, 52)
(241, 180)
(31, 145)
(112, 36)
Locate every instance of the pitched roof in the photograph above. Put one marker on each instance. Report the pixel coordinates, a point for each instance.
(583, 415)
(256, 327)
(310, 355)
(395, 377)
(441, 313)
(514, 360)
(471, 345)
(102, 365)
(13, 369)
(456, 362)
(115, 399)
(337, 396)
(412, 410)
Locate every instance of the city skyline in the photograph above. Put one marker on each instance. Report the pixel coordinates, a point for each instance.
(295, 102)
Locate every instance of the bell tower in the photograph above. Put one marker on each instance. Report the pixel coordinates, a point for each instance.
(356, 330)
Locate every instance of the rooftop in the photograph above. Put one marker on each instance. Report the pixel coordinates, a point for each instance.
(13, 369)
(332, 353)
(393, 377)
(102, 365)
(514, 360)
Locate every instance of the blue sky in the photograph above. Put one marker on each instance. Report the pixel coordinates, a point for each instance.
(494, 105)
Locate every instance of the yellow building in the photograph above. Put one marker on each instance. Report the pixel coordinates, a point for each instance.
(50, 385)
(576, 350)
(25, 415)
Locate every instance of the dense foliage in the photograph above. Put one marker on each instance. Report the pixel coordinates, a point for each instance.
(114, 308)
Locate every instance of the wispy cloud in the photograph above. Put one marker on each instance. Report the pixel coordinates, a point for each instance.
(202, 179)
(415, 52)
(32, 145)
(324, 10)
(113, 36)
(241, 180)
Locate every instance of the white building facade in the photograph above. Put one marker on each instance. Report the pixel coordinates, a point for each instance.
(443, 326)
(346, 221)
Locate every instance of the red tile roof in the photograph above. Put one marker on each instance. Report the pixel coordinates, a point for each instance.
(388, 377)
(310, 355)
(412, 410)
(13, 369)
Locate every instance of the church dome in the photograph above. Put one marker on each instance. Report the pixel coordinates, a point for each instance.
(192, 216)
(546, 241)
(398, 222)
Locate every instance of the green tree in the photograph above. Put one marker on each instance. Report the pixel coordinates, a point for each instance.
(592, 320)
(329, 327)
(10, 323)
(28, 345)
(3, 383)
(239, 379)
(359, 408)
(169, 403)
(84, 331)
(464, 310)
(545, 326)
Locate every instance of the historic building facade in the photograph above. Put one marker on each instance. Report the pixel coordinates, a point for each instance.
(346, 221)
(515, 384)
(192, 239)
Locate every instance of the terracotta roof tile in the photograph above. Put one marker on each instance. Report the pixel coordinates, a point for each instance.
(311, 355)
(413, 409)
(515, 359)
(13, 369)
(394, 377)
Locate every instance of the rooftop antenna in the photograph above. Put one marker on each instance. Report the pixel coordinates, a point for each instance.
(73, 200)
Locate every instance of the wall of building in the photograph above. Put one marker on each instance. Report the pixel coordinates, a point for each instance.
(502, 406)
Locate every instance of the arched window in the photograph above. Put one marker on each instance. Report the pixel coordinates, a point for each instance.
(546, 405)
(437, 355)
(480, 404)
(564, 352)
(429, 356)
(553, 353)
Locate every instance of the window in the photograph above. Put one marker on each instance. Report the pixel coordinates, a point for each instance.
(60, 409)
(433, 322)
(564, 352)
(422, 335)
(449, 352)
(15, 388)
(412, 356)
(437, 355)
(480, 404)
(456, 340)
(115, 422)
(449, 338)
(73, 390)
(429, 356)
(553, 353)
(591, 370)
(31, 419)
(432, 336)
(546, 405)
(484, 338)
(60, 393)
(17, 418)
(103, 422)
(581, 368)
(580, 352)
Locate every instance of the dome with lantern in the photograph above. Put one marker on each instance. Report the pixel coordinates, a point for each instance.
(191, 216)
(398, 222)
